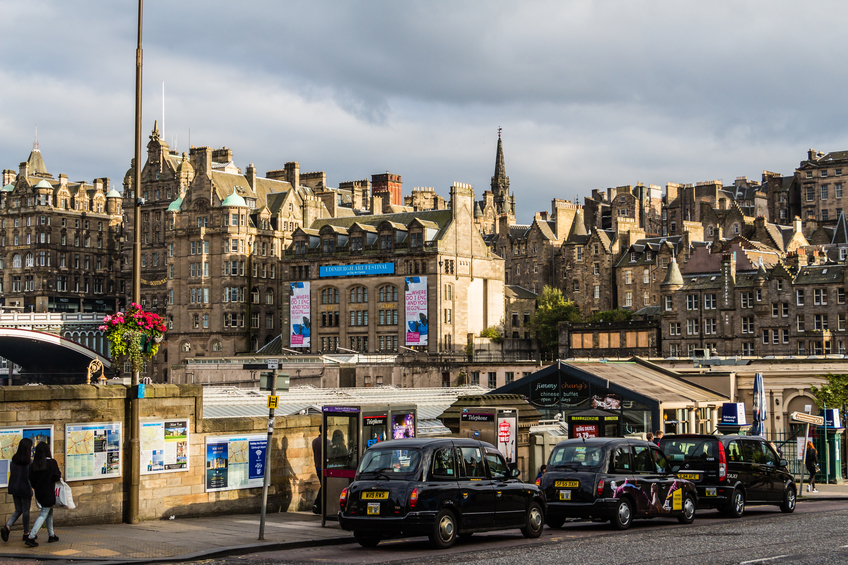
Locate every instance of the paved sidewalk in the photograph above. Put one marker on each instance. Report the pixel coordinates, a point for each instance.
(826, 492)
(175, 540)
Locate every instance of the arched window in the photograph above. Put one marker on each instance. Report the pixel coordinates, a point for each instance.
(269, 296)
(254, 343)
(358, 294)
(16, 261)
(388, 293)
(217, 346)
(29, 260)
(330, 296)
(186, 346)
(254, 295)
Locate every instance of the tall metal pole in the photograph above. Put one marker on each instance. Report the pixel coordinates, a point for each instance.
(267, 478)
(135, 444)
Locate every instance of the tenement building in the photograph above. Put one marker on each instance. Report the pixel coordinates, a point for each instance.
(59, 242)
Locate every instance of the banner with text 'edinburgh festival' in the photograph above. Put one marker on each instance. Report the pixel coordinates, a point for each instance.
(417, 323)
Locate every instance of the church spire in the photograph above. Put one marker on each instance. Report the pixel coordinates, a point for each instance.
(500, 182)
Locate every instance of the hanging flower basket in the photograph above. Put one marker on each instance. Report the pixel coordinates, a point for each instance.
(134, 333)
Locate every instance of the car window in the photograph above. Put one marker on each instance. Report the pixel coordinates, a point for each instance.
(642, 462)
(690, 450)
(577, 456)
(471, 460)
(660, 463)
(752, 451)
(497, 465)
(622, 461)
(734, 451)
(390, 460)
(443, 464)
(769, 456)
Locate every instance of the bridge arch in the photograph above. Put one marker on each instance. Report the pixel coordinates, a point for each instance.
(41, 352)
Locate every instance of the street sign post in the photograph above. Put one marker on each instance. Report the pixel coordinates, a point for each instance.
(807, 419)
(273, 364)
(273, 402)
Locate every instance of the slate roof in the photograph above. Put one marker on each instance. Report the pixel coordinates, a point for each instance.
(820, 274)
(442, 218)
(519, 292)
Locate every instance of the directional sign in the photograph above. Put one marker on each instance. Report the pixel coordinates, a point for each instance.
(807, 418)
(273, 401)
(273, 364)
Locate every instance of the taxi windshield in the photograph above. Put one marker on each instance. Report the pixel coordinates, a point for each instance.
(389, 461)
(577, 456)
(690, 449)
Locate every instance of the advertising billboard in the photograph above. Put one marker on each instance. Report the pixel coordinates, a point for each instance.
(356, 270)
(299, 315)
(235, 462)
(417, 322)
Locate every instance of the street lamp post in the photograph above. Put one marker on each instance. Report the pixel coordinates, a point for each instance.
(135, 445)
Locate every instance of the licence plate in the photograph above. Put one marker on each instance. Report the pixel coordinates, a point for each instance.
(373, 508)
(711, 492)
(565, 495)
(689, 476)
(376, 495)
(566, 484)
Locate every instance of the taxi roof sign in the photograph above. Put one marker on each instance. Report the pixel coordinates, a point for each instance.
(807, 418)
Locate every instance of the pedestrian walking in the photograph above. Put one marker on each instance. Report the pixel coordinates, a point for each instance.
(542, 470)
(43, 475)
(811, 461)
(19, 487)
(658, 435)
(649, 436)
(316, 456)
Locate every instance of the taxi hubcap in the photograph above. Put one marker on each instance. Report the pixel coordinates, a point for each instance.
(689, 508)
(624, 513)
(790, 497)
(535, 518)
(740, 502)
(446, 528)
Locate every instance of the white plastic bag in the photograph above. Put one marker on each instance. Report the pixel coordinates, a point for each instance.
(64, 497)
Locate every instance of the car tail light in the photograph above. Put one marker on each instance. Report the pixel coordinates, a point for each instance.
(722, 463)
(539, 482)
(413, 498)
(601, 487)
(343, 499)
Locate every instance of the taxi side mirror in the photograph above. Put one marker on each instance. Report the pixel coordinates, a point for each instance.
(675, 469)
(783, 462)
(513, 473)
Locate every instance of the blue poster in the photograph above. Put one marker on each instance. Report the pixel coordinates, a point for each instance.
(257, 459)
(357, 270)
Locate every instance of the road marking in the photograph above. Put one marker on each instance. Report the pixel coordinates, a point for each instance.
(763, 560)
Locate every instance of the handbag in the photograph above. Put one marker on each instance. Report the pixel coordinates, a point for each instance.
(64, 496)
(818, 468)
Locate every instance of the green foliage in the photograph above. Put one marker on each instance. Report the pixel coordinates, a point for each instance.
(551, 309)
(493, 333)
(134, 333)
(834, 394)
(469, 351)
(617, 315)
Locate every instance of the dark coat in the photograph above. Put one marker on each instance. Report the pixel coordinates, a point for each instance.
(44, 483)
(316, 452)
(19, 481)
(812, 459)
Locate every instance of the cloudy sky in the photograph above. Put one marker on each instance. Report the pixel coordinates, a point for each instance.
(589, 94)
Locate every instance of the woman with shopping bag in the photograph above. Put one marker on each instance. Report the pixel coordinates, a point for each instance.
(43, 475)
(19, 487)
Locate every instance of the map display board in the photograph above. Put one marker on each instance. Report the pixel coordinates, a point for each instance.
(235, 462)
(92, 451)
(11, 437)
(164, 446)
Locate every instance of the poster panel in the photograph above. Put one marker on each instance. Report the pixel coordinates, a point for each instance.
(417, 322)
(164, 446)
(506, 437)
(403, 426)
(586, 430)
(299, 315)
(92, 451)
(235, 462)
(11, 437)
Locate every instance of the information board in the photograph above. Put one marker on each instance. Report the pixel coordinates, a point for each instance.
(235, 462)
(92, 451)
(11, 437)
(164, 446)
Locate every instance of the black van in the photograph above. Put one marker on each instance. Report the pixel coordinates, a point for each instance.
(440, 488)
(731, 471)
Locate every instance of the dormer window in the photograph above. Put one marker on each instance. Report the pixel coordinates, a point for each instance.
(328, 245)
(416, 239)
(356, 244)
(386, 242)
(300, 248)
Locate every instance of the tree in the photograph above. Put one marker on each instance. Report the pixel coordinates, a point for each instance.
(834, 394)
(493, 333)
(551, 309)
(617, 315)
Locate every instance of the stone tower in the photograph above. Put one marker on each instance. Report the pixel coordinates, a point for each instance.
(504, 202)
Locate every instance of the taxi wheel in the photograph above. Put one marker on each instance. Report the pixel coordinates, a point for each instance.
(535, 521)
(443, 535)
(737, 505)
(788, 506)
(555, 523)
(623, 516)
(366, 540)
(688, 515)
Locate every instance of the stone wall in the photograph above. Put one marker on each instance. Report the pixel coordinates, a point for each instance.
(293, 480)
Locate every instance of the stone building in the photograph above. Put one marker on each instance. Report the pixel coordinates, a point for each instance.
(497, 201)
(358, 271)
(640, 206)
(59, 242)
(820, 179)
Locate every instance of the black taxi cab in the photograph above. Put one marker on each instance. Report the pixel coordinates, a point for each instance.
(615, 479)
(441, 488)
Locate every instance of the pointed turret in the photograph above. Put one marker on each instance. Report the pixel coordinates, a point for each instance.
(500, 182)
(35, 164)
(673, 277)
(578, 228)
